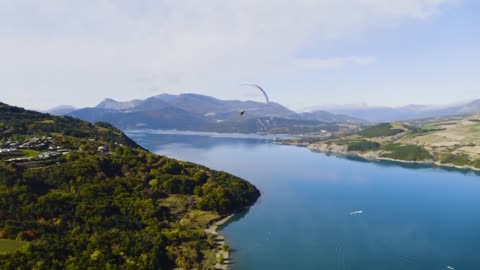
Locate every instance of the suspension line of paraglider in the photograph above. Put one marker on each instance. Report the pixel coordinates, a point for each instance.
(267, 100)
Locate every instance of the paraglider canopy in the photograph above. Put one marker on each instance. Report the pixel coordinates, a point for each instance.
(259, 88)
(242, 112)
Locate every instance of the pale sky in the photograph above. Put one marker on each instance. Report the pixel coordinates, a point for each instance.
(304, 52)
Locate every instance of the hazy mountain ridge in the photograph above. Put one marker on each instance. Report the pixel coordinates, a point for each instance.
(408, 112)
(109, 103)
(61, 110)
(204, 113)
(330, 117)
(200, 112)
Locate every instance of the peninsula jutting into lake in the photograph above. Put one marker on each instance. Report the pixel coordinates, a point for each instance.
(76, 194)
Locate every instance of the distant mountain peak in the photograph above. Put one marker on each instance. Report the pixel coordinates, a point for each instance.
(165, 97)
(109, 103)
(106, 103)
(61, 110)
(62, 107)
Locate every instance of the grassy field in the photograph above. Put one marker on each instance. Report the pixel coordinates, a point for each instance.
(47, 121)
(198, 219)
(7, 245)
(362, 145)
(177, 204)
(451, 141)
(30, 153)
(449, 136)
(406, 152)
(380, 130)
(459, 160)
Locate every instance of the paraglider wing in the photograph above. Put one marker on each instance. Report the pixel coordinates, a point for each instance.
(259, 88)
(242, 112)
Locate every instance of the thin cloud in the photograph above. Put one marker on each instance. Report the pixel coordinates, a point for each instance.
(334, 63)
(53, 48)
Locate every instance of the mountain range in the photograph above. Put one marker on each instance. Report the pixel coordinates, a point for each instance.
(204, 113)
(409, 112)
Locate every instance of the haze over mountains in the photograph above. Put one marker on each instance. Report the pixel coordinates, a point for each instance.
(61, 110)
(204, 113)
(409, 112)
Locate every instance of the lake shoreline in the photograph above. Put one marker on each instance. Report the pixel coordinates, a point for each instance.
(220, 241)
(306, 200)
(231, 135)
(372, 156)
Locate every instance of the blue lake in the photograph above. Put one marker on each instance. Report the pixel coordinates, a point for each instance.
(413, 217)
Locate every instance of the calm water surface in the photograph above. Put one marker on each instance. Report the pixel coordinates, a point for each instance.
(413, 218)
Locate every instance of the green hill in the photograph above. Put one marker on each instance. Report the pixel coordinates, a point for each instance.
(85, 196)
(380, 130)
(15, 121)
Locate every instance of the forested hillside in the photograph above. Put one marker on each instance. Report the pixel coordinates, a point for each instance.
(75, 195)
